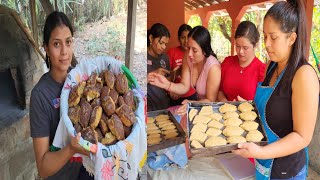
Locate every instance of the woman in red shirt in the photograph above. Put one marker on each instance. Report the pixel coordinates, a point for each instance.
(241, 73)
(176, 55)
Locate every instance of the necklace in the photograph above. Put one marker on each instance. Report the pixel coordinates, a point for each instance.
(241, 71)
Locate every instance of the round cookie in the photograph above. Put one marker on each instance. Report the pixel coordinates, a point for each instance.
(232, 122)
(244, 107)
(248, 116)
(231, 114)
(249, 125)
(233, 131)
(236, 139)
(215, 141)
(254, 136)
(227, 108)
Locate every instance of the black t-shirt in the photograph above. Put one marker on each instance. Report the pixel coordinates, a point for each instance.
(157, 98)
(44, 120)
(279, 118)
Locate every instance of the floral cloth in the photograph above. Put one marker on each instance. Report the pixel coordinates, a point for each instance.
(122, 160)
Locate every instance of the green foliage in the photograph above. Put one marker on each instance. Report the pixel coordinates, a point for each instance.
(219, 43)
(315, 36)
(115, 35)
(194, 21)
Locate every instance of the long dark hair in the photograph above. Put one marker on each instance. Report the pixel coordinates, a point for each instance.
(184, 27)
(157, 30)
(248, 30)
(291, 17)
(202, 36)
(54, 20)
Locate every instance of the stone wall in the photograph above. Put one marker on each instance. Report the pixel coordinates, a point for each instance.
(17, 160)
(314, 147)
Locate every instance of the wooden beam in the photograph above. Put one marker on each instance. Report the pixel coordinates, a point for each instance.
(200, 2)
(195, 5)
(208, 2)
(186, 5)
(34, 24)
(131, 30)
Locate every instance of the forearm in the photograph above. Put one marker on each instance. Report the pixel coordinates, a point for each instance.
(52, 162)
(178, 88)
(222, 97)
(287, 145)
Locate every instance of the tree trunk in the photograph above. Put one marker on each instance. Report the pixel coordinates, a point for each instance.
(47, 6)
(223, 29)
(56, 5)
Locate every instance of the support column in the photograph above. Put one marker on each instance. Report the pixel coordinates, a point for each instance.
(131, 31)
(204, 19)
(236, 15)
(32, 4)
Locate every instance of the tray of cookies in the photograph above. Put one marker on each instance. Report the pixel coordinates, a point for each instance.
(163, 130)
(218, 127)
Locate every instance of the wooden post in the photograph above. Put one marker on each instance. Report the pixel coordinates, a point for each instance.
(32, 4)
(131, 29)
(309, 4)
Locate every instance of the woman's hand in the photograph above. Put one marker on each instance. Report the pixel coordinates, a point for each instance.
(158, 80)
(239, 98)
(248, 150)
(183, 109)
(76, 147)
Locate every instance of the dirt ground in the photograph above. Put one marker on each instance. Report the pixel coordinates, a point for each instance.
(98, 30)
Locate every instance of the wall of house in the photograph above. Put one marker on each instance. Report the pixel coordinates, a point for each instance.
(167, 12)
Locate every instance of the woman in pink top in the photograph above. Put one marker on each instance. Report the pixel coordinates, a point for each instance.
(200, 69)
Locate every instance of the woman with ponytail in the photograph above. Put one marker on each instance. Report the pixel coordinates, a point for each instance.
(200, 70)
(287, 100)
(45, 102)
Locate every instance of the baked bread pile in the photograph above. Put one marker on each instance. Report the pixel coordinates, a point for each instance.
(160, 128)
(232, 124)
(102, 108)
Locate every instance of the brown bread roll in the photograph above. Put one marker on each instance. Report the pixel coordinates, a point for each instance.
(90, 135)
(116, 127)
(85, 113)
(126, 115)
(121, 84)
(108, 105)
(95, 116)
(75, 94)
(109, 79)
(74, 114)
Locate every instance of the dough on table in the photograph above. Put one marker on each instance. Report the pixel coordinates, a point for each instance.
(233, 131)
(249, 125)
(231, 114)
(232, 122)
(244, 107)
(192, 113)
(196, 144)
(199, 136)
(215, 124)
(236, 139)
(248, 115)
(215, 116)
(227, 108)
(206, 110)
(199, 127)
(215, 141)
(213, 132)
(254, 136)
(201, 119)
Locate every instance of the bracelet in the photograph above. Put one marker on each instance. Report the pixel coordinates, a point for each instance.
(169, 87)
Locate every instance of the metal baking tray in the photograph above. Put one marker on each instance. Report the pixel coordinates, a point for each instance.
(180, 139)
(209, 151)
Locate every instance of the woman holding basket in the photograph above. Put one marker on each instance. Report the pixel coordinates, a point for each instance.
(45, 101)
